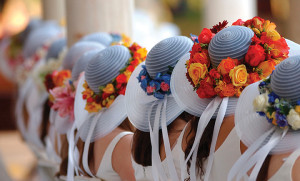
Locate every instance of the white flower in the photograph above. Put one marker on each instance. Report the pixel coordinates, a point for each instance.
(293, 119)
(261, 102)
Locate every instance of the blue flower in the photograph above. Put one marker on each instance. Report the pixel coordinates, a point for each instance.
(194, 38)
(158, 95)
(144, 84)
(272, 97)
(270, 120)
(166, 78)
(155, 84)
(261, 113)
(262, 84)
(298, 102)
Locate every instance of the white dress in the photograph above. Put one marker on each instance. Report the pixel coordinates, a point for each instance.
(285, 171)
(105, 170)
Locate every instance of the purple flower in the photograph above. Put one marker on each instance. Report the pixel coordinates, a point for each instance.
(261, 113)
(281, 120)
(270, 120)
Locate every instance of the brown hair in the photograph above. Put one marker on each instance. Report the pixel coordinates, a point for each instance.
(141, 144)
(45, 121)
(204, 145)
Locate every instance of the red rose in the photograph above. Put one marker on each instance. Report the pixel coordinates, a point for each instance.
(238, 22)
(214, 74)
(195, 49)
(253, 77)
(49, 84)
(84, 96)
(256, 40)
(90, 99)
(130, 68)
(206, 88)
(202, 58)
(134, 62)
(189, 79)
(255, 55)
(226, 78)
(121, 78)
(105, 95)
(122, 90)
(205, 36)
(134, 47)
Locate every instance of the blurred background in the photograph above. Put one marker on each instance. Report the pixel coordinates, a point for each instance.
(183, 16)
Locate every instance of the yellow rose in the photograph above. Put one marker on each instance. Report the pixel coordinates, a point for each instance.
(273, 35)
(238, 75)
(142, 52)
(197, 71)
(127, 74)
(109, 89)
(268, 26)
(297, 109)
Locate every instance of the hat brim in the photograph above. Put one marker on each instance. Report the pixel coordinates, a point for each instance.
(250, 125)
(186, 97)
(138, 104)
(110, 117)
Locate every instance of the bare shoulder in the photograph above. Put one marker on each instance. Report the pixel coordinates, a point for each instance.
(226, 128)
(295, 171)
(121, 158)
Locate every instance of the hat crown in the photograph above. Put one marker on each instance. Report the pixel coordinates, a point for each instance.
(285, 80)
(82, 62)
(105, 66)
(100, 37)
(166, 53)
(38, 37)
(230, 42)
(55, 48)
(77, 50)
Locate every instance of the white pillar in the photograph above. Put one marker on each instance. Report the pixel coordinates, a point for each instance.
(216, 11)
(54, 10)
(89, 16)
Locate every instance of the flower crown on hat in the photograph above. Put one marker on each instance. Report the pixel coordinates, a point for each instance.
(278, 111)
(61, 92)
(107, 94)
(268, 48)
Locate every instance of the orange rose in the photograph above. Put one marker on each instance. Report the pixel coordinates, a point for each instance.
(60, 77)
(202, 58)
(268, 26)
(238, 75)
(226, 65)
(197, 71)
(253, 77)
(225, 90)
(258, 23)
(266, 68)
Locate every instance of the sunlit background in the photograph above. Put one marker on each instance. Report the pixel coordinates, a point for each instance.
(188, 15)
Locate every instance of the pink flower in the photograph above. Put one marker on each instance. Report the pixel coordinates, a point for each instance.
(164, 86)
(63, 100)
(150, 89)
(143, 77)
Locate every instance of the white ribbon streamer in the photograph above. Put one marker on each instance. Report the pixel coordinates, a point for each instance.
(218, 123)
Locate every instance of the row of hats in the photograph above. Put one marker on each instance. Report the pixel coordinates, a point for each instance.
(222, 62)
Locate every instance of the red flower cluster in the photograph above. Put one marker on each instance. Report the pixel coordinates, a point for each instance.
(56, 78)
(231, 76)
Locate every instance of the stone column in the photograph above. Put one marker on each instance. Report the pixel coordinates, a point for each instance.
(89, 16)
(216, 11)
(54, 10)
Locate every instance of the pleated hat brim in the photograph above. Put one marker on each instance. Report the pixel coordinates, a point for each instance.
(138, 104)
(111, 117)
(250, 125)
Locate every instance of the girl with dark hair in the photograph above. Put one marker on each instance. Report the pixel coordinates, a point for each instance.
(151, 108)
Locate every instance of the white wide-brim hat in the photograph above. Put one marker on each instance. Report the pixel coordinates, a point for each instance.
(150, 114)
(102, 69)
(261, 137)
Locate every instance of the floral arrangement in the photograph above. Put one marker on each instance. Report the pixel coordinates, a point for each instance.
(278, 111)
(120, 39)
(107, 94)
(52, 64)
(267, 49)
(61, 92)
(159, 86)
(24, 70)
